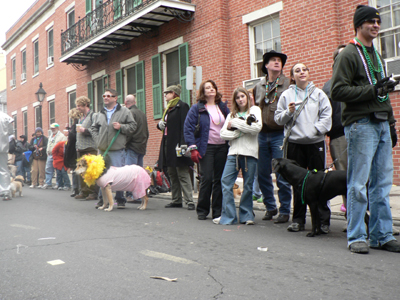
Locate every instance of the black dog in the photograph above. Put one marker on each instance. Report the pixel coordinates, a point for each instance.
(318, 186)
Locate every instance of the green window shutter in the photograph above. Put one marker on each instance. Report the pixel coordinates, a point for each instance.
(139, 76)
(118, 84)
(183, 63)
(106, 85)
(88, 6)
(90, 93)
(136, 3)
(117, 9)
(156, 81)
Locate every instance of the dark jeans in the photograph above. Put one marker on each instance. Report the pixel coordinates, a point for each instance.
(311, 156)
(211, 169)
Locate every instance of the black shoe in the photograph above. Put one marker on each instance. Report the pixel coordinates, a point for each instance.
(191, 206)
(121, 205)
(392, 246)
(74, 193)
(99, 204)
(325, 229)
(359, 247)
(201, 217)
(282, 219)
(269, 215)
(170, 205)
(295, 227)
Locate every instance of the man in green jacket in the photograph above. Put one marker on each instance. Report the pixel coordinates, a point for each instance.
(109, 120)
(359, 83)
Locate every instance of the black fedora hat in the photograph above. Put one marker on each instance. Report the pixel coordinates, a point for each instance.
(267, 56)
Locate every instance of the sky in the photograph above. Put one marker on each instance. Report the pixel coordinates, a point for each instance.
(11, 12)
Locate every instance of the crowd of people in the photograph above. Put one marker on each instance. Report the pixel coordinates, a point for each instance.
(279, 117)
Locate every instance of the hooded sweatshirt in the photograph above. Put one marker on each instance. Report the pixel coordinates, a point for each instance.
(313, 122)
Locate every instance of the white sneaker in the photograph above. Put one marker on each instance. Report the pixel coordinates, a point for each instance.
(45, 186)
(216, 220)
(32, 186)
(65, 188)
(249, 222)
(40, 186)
(55, 187)
(59, 188)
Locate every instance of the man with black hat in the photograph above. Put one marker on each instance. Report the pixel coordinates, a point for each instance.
(266, 95)
(359, 82)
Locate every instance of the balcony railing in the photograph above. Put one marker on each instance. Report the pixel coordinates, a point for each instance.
(102, 18)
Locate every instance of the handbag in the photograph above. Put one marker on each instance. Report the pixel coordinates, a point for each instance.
(197, 127)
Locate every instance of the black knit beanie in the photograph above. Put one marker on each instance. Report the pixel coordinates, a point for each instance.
(364, 13)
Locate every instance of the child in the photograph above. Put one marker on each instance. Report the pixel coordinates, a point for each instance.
(63, 181)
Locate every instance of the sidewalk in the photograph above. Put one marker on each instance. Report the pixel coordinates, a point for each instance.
(335, 203)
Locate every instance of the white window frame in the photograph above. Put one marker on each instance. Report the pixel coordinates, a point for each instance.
(50, 48)
(23, 51)
(256, 18)
(72, 10)
(51, 102)
(25, 120)
(14, 71)
(164, 67)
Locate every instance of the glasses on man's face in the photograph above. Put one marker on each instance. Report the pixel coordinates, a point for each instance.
(373, 22)
(108, 96)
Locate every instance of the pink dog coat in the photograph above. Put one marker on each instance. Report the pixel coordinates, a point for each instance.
(131, 178)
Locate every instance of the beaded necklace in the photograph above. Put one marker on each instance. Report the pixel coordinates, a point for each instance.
(80, 122)
(267, 89)
(370, 68)
(219, 115)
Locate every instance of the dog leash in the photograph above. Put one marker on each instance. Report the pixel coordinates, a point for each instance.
(331, 165)
(112, 142)
(303, 187)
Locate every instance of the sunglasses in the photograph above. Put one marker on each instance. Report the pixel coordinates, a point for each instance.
(108, 96)
(373, 21)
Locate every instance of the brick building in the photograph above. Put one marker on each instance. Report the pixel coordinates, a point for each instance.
(141, 46)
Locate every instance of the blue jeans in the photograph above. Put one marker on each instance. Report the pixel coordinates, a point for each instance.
(20, 168)
(369, 150)
(117, 159)
(228, 216)
(133, 158)
(270, 147)
(49, 170)
(256, 186)
(62, 178)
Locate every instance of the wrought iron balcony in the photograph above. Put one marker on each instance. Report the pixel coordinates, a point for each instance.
(116, 22)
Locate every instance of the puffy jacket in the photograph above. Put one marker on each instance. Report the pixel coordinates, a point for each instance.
(103, 132)
(244, 140)
(201, 140)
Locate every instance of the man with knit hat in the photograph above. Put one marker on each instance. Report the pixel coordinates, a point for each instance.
(56, 136)
(360, 83)
(38, 147)
(266, 95)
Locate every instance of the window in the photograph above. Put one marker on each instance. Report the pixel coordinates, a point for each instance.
(50, 47)
(71, 99)
(52, 112)
(13, 72)
(133, 81)
(173, 70)
(15, 126)
(35, 57)
(96, 89)
(70, 18)
(25, 122)
(38, 116)
(23, 64)
(265, 37)
(390, 28)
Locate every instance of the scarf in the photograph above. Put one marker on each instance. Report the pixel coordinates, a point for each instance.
(170, 104)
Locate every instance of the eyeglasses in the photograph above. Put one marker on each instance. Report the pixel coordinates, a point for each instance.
(108, 96)
(373, 22)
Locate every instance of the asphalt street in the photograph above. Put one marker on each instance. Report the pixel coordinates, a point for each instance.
(56, 247)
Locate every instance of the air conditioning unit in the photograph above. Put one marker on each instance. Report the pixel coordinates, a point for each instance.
(50, 60)
(23, 76)
(393, 67)
(249, 84)
(12, 82)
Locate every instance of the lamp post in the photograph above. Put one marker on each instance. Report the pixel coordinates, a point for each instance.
(40, 94)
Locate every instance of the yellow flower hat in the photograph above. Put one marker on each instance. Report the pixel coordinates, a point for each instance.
(95, 168)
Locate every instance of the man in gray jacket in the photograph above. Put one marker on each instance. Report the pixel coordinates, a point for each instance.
(109, 120)
(137, 142)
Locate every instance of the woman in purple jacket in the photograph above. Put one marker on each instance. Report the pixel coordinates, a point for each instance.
(202, 133)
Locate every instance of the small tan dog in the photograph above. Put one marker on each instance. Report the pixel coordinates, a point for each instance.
(130, 178)
(16, 185)
(236, 190)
